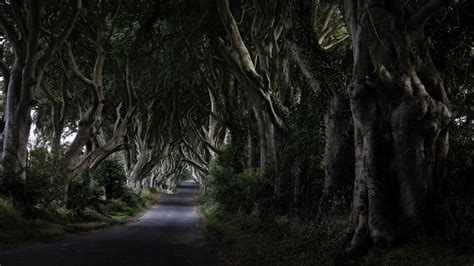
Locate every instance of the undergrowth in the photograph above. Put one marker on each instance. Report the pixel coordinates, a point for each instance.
(90, 201)
(16, 227)
(289, 241)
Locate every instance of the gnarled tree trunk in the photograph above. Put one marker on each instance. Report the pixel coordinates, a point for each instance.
(401, 113)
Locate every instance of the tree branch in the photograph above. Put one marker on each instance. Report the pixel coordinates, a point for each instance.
(328, 16)
(244, 60)
(53, 47)
(336, 42)
(110, 147)
(75, 68)
(17, 13)
(419, 19)
(10, 33)
(304, 67)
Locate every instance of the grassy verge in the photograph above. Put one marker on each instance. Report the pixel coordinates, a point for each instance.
(242, 241)
(17, 229)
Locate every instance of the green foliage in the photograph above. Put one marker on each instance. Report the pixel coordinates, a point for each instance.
(46, 181)
(38, 182)
(132, 197)
(111, 175)
(14, 227)
(456, 209)
(302, 153)
(91, 214)
(83, 192)
(104, 190)
(118, 206)
(9, 216)
(185, 175)
(235, 192)
(287, 241)
(290, 241)
(56, 204)
(448, 33)
(148, 195)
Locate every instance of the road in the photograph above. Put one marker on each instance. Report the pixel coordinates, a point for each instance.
(170, 233)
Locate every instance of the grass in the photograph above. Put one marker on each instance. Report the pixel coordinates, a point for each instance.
(429, 251)
(242, 241)
(16, 230)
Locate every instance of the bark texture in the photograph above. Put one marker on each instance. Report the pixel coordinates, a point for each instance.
(15, 135)
(339, 157)
(401, 113)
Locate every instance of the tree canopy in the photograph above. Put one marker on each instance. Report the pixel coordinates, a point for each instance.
(301, 108)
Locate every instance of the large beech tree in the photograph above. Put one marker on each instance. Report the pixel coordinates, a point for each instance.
(35, 30)
(401, 113)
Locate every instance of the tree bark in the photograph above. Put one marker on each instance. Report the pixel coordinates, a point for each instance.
(401, 114)
(254, 158)
(339, 158)
(15, 135)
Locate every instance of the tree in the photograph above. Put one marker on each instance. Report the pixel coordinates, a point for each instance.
(320, 51)
(28, 27)
(271, 76)
(401, 113)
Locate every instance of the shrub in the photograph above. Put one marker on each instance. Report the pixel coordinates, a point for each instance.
(9, 216)
(46, 181)
(111, 176)
(118, 206)
(147, 195)
(132, 198)
(84, 192)
(90, 214)
(236, 191)
(59, 215)
(79, 192)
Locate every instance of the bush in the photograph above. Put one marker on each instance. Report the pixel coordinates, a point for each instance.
(111, 176)
(46, 181)
(236, 191)
(90, 214)
(132, 198)
(9, 216)
(147, 195)
(80, 192)
(118, 206)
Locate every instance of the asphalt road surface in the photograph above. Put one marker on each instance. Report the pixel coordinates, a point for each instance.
(170, 233)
